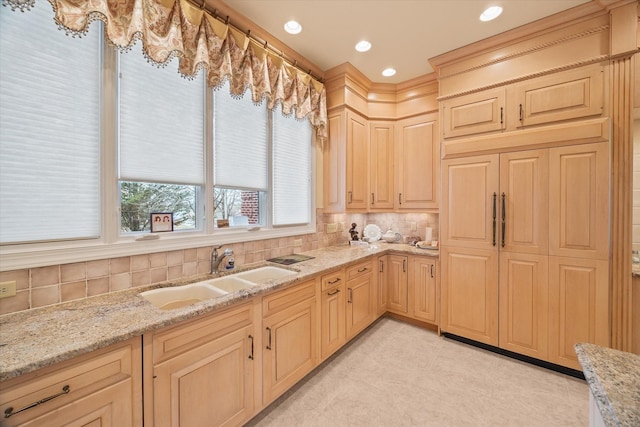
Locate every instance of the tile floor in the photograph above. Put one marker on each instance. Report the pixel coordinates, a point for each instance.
(396, 374)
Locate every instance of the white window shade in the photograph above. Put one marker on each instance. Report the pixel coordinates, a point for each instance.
(291, 170)
(49, 129)
(240, 138)
(161, 122)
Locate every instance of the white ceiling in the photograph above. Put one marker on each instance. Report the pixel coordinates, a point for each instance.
(404, 33)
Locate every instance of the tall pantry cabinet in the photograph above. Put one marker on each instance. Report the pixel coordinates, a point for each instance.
(524, 229)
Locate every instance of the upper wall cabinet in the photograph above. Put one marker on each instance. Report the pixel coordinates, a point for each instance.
(381, 166)
(418, 161)
(561, 96)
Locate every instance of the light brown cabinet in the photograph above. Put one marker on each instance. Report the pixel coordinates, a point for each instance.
(357, 158)
(332, 313)
(290, 338)
(423, 289)
(418, 163)
(381, 166)
(566, 95)
(202, 372)
(507, 220)
(360, 301)
(397, 283)
(382, 287)
(101, 388)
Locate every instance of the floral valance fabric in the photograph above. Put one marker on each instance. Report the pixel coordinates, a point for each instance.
(176, 28)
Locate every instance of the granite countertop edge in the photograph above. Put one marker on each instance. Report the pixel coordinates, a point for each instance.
(614, 381)
(34, 339)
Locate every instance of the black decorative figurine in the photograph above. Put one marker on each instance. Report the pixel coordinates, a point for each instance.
(353, 232)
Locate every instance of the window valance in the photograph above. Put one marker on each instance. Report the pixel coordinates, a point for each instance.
(176, 28)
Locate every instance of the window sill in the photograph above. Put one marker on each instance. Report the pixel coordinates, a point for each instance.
(40, 255)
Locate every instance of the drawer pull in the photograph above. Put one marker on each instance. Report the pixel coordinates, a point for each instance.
(362, 269)
(333, 282)
(337, 291)
(9, 411)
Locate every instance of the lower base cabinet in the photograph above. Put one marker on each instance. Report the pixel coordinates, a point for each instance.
(290, 338)
(332, 314)
(361, 307)
(423, 289)
(203, 371)
(102, 388)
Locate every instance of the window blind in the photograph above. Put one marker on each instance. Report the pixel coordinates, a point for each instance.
(49, 129)
(291, 170)
(240, 138)
(161, 122)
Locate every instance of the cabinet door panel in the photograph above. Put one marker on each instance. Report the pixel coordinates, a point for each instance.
(333, 320)
(383, 293)
(418, 163)
(578, 201)
(209, 385)
(476, 113)
(357, 162)
(562, 96)
(578, 307)
(397, 283)
(359, 304)
(334, 164)
(524, 181)
(524, 293)
(425, 305)
(470, 293)
(381, 168)
(290, 347)
(468, 203)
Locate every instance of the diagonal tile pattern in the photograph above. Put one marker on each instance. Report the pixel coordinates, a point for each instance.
(396, 374)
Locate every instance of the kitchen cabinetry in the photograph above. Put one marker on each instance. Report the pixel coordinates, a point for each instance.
(561, 96)
(397, 283)
(418, 160)
(508, 219)
(360, 310)
(332, 330)
(290, 337)
(202, 372)
(423, 289)
(101, 388)
(357, 179)
(381, 166)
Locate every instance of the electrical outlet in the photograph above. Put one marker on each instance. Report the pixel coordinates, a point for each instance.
(414, 226)
(297, 242)
(332, 228)
(7, 289)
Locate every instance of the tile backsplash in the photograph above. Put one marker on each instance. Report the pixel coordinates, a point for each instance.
(43, 286)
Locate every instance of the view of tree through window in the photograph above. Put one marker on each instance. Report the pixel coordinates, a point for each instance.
(140, 199)
(240, 207)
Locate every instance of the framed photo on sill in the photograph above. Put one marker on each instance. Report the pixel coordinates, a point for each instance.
(161, 222)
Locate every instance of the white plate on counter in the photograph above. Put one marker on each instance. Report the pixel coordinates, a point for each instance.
(372, 232)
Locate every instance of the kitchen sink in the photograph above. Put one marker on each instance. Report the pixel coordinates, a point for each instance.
(264, 274)
(231, 283)
(181, 296)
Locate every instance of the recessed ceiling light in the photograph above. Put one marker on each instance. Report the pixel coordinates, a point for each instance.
(292, 27)
(363, 46)
(388, 72)
(491, 13)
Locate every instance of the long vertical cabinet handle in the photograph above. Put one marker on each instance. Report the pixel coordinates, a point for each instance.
(431, 268)
(251, 355)
(350, 298)
(373, 199)
(501, 116)
(494, 218)
(350, 196)
(504, 215)
(521, 113)
(400, 198)
(381, 266)
(404, 265)
(269, 341)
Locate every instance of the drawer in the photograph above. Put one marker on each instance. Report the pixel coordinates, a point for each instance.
(71, 380)
(358, 270)
(332, 279)
(284, 299)
(185, 336)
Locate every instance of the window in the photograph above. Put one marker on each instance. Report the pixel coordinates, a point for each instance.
(49, 130)
(161, 143)
(261, 159)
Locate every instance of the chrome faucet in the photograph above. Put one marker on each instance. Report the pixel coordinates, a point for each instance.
(216, 261)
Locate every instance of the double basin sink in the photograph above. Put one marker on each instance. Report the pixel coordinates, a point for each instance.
(181, 296)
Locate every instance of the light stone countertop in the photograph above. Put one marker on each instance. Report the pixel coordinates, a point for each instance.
(33, 339)
(614, 380)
